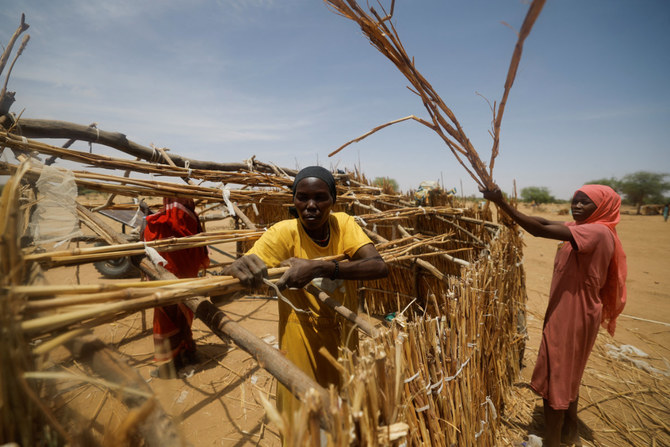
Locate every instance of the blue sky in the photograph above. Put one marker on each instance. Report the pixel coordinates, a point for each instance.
(290, 81)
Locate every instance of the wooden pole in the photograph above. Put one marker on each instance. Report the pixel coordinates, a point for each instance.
(157, 428)
(269, 358)
(350, 315)
(39, 128)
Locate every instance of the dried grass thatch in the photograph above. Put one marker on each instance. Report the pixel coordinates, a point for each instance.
(443, 276)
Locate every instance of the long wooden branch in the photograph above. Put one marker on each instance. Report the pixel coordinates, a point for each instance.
(529, 21)
(135, 187)
(350, 315)
(22, 47)
(23, 26)
(454, 224)
(107, 162)
(85, 255)
(7, 98)
(39, 128)
(378, 128)
(157, 429)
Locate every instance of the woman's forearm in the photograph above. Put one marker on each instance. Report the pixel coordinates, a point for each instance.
(367, 268)
(528, 223)
(537, 226)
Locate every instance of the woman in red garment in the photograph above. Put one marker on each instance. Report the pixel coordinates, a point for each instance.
(173, 340)
(587, 289)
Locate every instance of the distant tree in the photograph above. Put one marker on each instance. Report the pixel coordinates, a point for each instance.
(644, 187)
(387, 184)
(611, 182)
(537, 194)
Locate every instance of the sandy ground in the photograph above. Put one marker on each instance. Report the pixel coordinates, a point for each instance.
(216, 402)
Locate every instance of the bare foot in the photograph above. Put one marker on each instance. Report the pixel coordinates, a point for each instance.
(570, 434)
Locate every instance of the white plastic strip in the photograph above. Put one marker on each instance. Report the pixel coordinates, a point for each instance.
(450, 378)
(154, 256)
(139, 215)
(361, 221)
(413, 377)
(479, 433)
(226, 198)
(424, 408)
(494, 413)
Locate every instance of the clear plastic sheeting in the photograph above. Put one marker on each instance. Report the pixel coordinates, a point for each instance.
(54, 219)
(631, 354)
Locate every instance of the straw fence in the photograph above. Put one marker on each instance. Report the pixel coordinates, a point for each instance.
(437, 373)
(440, 374)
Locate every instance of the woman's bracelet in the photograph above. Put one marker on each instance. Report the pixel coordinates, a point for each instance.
(336, 271)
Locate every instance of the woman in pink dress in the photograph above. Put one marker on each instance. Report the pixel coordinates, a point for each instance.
(587, 290)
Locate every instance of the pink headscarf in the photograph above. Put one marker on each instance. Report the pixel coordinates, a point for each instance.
(613, 293)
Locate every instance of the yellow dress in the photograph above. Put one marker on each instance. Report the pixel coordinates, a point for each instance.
(301, 335)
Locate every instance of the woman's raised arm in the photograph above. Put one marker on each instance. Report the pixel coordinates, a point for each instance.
(537, 226)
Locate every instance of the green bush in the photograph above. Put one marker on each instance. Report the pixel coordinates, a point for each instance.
(537, 194)
(386, 183)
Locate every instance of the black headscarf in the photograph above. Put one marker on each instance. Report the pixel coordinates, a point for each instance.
(320, 173)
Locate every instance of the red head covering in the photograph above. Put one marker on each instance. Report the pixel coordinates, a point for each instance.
(613, 293)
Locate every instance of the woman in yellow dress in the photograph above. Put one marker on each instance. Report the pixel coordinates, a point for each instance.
(307, 325)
